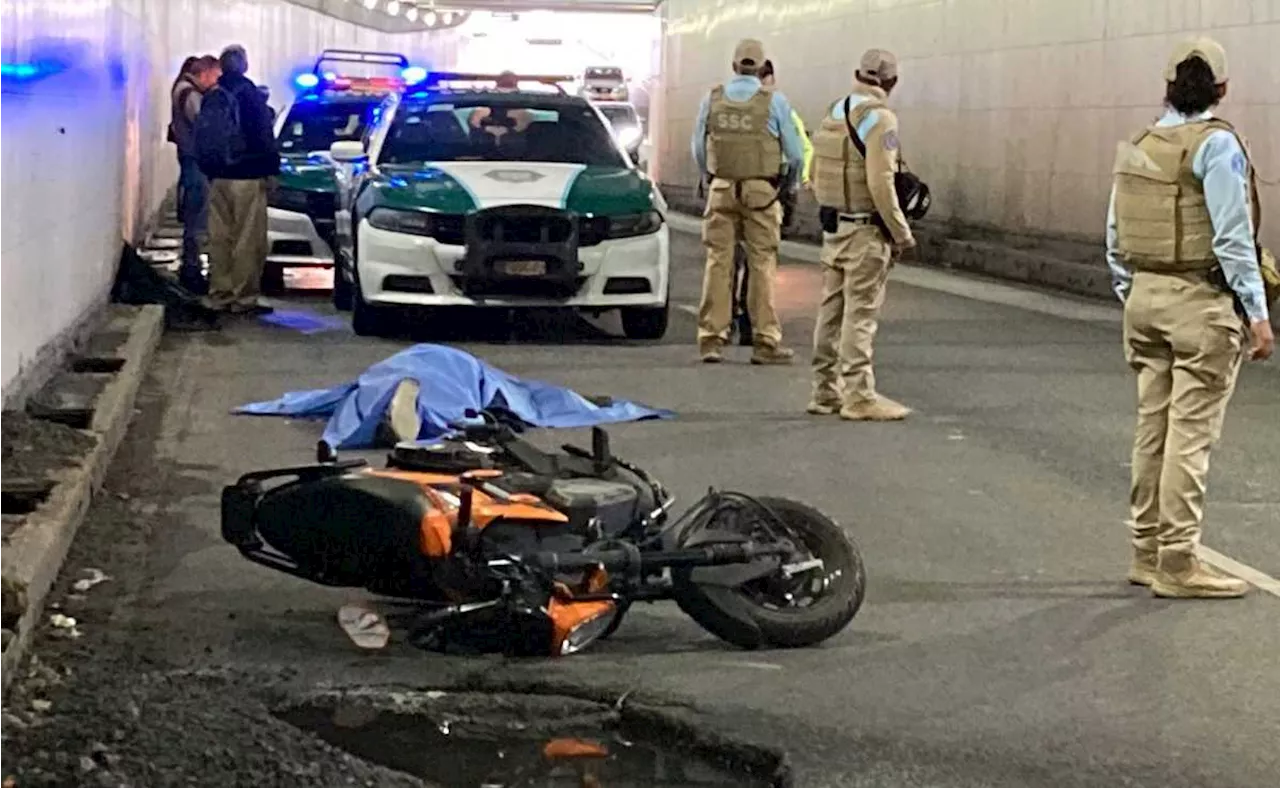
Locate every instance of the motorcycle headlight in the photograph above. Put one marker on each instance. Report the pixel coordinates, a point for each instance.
(579, 624)
(396, 221)
(288, 200)
(633, 224)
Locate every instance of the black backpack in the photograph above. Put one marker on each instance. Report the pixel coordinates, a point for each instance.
(219, 141)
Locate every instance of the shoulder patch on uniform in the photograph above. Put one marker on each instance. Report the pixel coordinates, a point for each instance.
(890, 140)
(1238, 164)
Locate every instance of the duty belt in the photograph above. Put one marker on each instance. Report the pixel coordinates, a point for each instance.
(774, 181)
(856, 218)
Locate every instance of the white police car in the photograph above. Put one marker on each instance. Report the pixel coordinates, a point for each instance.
(485, 197)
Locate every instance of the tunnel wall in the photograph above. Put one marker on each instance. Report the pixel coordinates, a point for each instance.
(1010, 109)
(84, 157)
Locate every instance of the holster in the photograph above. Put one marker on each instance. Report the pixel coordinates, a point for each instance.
(1218, 278)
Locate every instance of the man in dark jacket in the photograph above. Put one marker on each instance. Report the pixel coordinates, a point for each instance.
(238, 192)
(199, 75)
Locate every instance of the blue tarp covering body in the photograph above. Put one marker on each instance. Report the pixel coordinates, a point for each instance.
(451, 383)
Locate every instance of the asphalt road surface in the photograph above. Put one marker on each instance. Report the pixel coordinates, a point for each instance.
(999, 644)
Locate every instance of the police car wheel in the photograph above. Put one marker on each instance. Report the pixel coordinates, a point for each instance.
(272, 283)
(645, 322)
(368, 320)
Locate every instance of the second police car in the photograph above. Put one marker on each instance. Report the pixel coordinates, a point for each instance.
(334, 103)
(472, 195)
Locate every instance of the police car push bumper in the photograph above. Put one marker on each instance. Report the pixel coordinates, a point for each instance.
(409, 270)
(289, 233)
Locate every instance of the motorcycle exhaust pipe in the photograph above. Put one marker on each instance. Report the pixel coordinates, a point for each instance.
(657, 560)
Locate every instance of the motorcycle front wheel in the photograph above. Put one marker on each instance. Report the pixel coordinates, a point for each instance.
(812, 597)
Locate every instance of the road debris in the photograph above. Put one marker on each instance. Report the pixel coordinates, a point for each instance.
(93, 577)
(364, 626)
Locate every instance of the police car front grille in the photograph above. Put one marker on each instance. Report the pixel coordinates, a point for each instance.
(523, 287)
(525, 229)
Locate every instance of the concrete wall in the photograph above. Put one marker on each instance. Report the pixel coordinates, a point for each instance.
(84, 157)
(1010, 109)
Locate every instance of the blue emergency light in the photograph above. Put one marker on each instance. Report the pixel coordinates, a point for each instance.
(326, 80)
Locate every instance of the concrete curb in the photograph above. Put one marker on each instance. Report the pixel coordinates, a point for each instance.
(35, 553)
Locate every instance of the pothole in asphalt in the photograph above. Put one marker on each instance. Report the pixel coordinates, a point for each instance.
(475, 740)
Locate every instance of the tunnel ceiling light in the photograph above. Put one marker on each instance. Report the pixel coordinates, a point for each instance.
(411, 14)
(429, 19)
(447, 17)
(370, 4)
(393, 7)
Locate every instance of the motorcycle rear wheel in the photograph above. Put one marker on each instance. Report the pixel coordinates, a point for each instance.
(756, 615)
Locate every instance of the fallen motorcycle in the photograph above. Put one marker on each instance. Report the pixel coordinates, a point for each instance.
(500, 546)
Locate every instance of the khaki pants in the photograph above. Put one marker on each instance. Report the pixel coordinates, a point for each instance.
(734, 212)
(855, 268)
(1185, 342)
(237, 241)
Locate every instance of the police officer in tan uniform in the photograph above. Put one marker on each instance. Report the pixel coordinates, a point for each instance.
(742, 136)
(864, 229)
(1182, 247)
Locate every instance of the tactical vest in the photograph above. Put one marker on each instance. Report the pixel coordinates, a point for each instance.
(1162, 221)
(839, 172)
(739, 145)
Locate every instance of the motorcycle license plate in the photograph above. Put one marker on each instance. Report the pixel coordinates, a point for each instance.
(523, 267)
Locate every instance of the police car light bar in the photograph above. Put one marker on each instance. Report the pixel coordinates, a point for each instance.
(359, 56)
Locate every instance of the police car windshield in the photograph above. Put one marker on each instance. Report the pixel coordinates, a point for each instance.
(506, 128)
(620, 115)
(313, 126)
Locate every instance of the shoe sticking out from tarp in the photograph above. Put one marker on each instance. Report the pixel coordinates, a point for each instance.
(401, 421)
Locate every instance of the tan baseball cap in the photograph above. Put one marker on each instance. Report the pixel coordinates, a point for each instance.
(749, 52)
(1206, 49)
(878, 64)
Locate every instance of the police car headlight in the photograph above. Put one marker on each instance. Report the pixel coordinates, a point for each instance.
(629, 136)
(633, 224)
(294, 200)
(395, 221)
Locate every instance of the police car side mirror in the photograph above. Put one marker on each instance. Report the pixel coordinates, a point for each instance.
(347, 151)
